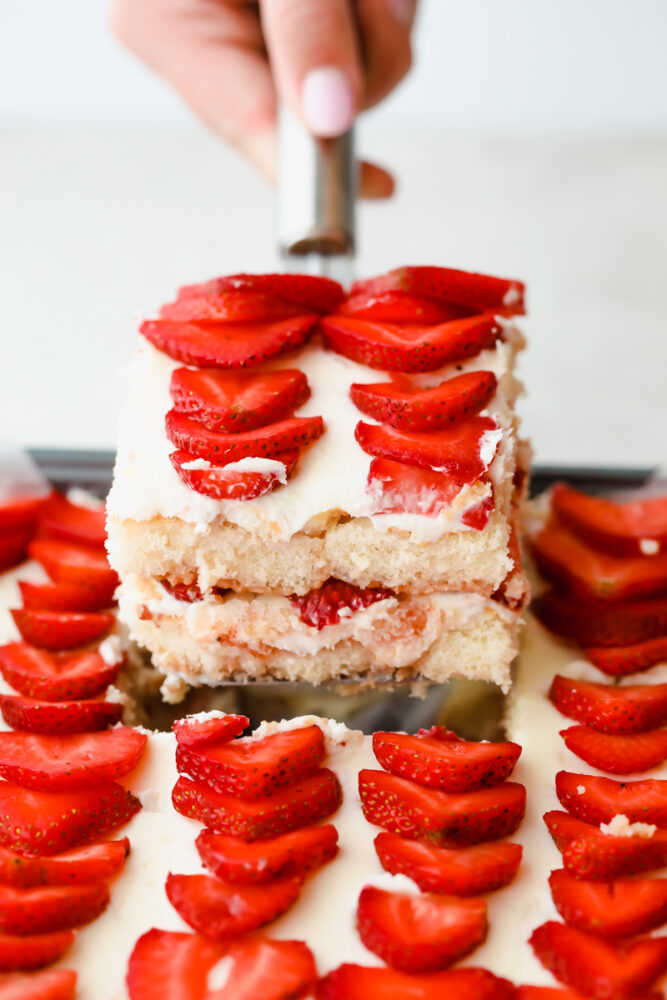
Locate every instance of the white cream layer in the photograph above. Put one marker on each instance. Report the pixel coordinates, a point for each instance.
(330, 475)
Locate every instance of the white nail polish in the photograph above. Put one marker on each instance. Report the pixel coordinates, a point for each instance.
(327, 101)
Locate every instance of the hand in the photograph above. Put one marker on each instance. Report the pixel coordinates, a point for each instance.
(232, 59)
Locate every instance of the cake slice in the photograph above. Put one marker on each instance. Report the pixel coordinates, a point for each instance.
(313, 486)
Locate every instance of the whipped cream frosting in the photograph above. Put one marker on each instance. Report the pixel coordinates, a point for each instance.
(330, 475)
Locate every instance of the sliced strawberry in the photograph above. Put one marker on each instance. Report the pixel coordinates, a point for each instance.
(182, 591)
(474, 291)
(608, 708)
(468, 871)
(421, 933)
(478, 516)
(59, 630)
(54, 908)
(312, 293)
(64, 597)
(58, 717)
(409, 408)
(590, 854)
(220, 483)
(612, 909)
(80, 866)
(256, 819)
(20, 513)
(324, 605)
(204, 730)
(227, 345)
(601, 625)
(623, 529)
(409, 348)
(61, 518)
(254, 768)
(227, 307)
(553, 993)
(238, 401)
(54, 984)
(55, 676)
(643, 801)
(397, 488)
(235, 860)
(617, 754)
(13, 545)
(400, 307)
(597, 968)
(438, 817)
(221, 449)
(57, 763)
(358, 982)
(18, 953)
(221, 910)
(170, 964)
(451, 765)
(621, 661)
(564, 560)
(46, 823)
(66, 562)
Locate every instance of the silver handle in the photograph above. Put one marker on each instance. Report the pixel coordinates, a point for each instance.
(317, 182)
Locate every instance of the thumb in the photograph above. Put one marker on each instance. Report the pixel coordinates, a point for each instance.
(315, 58)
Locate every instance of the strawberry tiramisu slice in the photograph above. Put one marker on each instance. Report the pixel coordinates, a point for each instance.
(314, 486)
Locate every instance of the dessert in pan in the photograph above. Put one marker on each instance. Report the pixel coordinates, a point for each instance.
(319, 486)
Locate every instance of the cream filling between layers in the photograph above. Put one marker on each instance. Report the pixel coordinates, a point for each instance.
(331, 474)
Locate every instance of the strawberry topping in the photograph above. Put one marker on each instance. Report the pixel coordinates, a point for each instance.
(58, 717)
(57, 763)
(643, 801)
(409, 408)
(588, 853)
(221, 483)
(71, 522)
(608, 708)
(599, 625)
(357, 982)
(622, 661)
(195, 732)
(465, 288)
(55, 676)
(54, 908)
(622, 529)
(400, 307)
(617, 754)
(238, 401)
(54, 984)
(65, 596)
(13, 546)
(265, 442)
(59, 630)
(324, 605)
(80, 866)
(20, 513)
(397, 488)
(611, 909)
(235, 860)
(314, 294)
(20, 953)
(221, 910)
(66, 562)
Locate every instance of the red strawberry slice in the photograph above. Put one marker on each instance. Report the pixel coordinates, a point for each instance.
(601, 625)
(400, 307)
(64, 597)
(439, 817)
(421, 933)
(618, 528)
(46, 823)
(227, 345)
(20, 512)
(323, 605)
(234, 860)
(617, 754)
(358, 982)
(254, 768)
(59, 630)
(219, 483)
(452, 765)
(643, 801)
(613, 909)
(57, 763)
(60, 518)
(621, 661)
(54, 908)
(608, 708)
(18, 953)
(478, 517)
(55, 676)
(397, 488)
(475, 291)
(66, 562)
(213, 727)
(590, 854)
(222, 449)
(597, 968)
(181, 590)
(409, 408)
(566, 561)
(13, 547)
(256, 819)
(238, 401)
(220, 910)
(58, 717)
(409, 348)
(80, 866)
(555, 993)
(312, 293)
(54, 984)
(459, 452)
(227, 307)
(468, 871)
(169, 964)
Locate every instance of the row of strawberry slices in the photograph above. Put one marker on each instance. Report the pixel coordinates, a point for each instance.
(442, 802)
(601, 557)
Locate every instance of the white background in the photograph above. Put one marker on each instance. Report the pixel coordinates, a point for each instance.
(531, 141)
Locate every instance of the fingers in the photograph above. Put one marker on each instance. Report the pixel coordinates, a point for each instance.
(385, 27)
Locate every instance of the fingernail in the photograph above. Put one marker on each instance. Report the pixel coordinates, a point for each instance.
(403, 10)
(327, 101)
